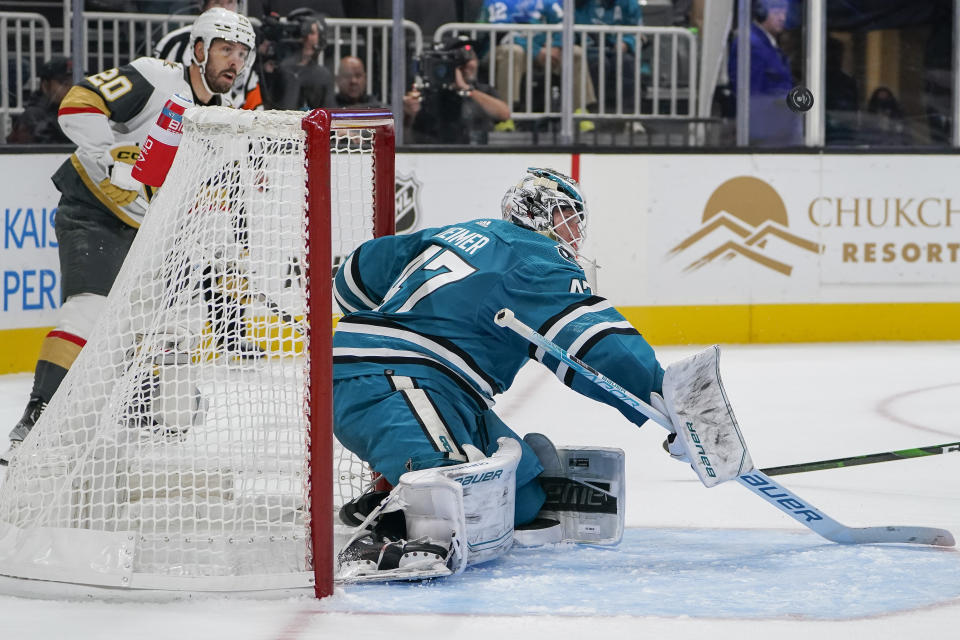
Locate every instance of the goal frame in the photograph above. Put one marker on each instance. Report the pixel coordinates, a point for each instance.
(63, 539)
(318, 127)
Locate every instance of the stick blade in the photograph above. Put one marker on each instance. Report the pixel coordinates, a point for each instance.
(899, 535)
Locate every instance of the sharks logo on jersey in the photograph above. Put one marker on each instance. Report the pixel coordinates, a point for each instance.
(566, 254)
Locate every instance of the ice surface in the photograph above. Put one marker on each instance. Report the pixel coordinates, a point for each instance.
(695, 562)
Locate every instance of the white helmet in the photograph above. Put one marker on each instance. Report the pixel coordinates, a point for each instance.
(227, 25)
(532, 201)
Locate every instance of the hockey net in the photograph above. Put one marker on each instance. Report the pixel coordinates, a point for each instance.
(189, 446)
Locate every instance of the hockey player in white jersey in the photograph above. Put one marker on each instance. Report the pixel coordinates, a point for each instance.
(101, 206)
(418, 361)
(175, 47)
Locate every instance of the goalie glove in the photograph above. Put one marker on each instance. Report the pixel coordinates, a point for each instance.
(675, 448)
(703, 419)
(671, 445)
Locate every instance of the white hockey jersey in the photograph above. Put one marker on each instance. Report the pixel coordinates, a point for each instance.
(245, 92)
(108, 115)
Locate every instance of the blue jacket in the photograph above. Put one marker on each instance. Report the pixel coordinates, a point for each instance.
(769, 66)
(771, 122)
(523, 12)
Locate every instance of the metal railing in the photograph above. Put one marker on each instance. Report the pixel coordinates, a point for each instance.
(642, 83)
(114, 39)
(25, 36)
(657, 80)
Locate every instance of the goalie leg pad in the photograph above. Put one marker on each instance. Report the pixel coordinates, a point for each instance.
(465, 510)
(585, 490)
(705, 425)
(489, 496)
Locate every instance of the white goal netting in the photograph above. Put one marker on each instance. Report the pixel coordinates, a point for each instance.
(176, 453)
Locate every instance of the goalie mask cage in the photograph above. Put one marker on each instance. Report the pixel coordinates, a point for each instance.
(190, 446)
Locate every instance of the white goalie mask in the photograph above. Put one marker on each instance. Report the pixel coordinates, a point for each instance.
(550, 203)
(226, 25)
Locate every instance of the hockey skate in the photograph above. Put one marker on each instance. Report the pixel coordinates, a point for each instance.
(353, 513)
(30, 416)
(381, 553)
(399, 558)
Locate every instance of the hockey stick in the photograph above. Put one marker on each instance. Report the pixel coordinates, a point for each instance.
(285, 317)
(757, 481)
(852, 461)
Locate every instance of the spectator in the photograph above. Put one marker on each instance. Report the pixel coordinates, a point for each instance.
(680, 13)
(38, 122)
(463, 113)
(884, 123)
(841, 101)
(175, 47)
(511, 58)
(352, 85)
(300, 82)
(17, 91)
(771, 122)
(687, 13)
(614, 13)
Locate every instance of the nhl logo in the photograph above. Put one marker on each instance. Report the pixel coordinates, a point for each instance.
(407, 202)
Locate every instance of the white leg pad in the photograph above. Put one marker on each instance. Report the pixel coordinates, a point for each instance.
(704, 420)
(468, 507)
(489, 495)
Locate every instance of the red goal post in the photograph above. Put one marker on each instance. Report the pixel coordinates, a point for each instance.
(190, 446)
(320, 126)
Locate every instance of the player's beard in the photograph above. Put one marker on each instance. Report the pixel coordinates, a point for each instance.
(217, 82)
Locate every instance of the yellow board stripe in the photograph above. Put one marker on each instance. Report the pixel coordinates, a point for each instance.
(19, 348)
(774, 323)
(732, 324)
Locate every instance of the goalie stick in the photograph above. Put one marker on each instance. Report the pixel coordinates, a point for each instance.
(756, 481)
(870, 458)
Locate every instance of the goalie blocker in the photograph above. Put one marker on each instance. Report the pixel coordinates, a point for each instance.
(706, 433)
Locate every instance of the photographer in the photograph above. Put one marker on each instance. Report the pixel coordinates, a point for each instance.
(448, 105)
(292, 77)
(38, 122)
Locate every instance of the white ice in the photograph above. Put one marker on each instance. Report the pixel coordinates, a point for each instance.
(695, 562)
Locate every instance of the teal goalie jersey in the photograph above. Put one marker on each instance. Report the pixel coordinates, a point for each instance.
(423, 305)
